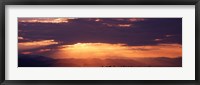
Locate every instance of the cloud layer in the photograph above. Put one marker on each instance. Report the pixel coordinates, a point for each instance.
(131, 31)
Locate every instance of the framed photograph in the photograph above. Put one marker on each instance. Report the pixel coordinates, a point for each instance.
(140, 42)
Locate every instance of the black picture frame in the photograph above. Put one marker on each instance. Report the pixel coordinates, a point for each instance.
(98, 2)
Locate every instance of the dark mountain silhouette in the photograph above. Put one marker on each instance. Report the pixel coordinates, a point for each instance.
(34, 61)
(42, 61)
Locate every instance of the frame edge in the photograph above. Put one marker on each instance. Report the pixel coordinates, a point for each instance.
(2, 49)
(2, 41)
(197, 40)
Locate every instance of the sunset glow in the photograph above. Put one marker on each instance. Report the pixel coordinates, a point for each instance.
(99, 42)
(105, 50)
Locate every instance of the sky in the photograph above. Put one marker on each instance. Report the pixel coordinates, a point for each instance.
(101, 38)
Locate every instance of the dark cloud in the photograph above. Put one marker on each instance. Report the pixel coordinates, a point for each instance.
(141, 31)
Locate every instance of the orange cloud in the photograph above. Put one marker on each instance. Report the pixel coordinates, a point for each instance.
(35, 44)
(46, 20)
(44, 50)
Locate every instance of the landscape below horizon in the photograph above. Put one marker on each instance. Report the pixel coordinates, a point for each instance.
(99, 42)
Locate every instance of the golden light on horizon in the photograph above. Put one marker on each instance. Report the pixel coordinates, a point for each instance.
(115, 51)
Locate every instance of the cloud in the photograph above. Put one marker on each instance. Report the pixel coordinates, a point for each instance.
(158, 40)
(35, 44)
(20, 38)
(98, 20)
(118, 25)
(169, 35)
(26, 52)
(107, 30)
(124, 25)
(136, 19)
(45, 20)
(131, 19)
